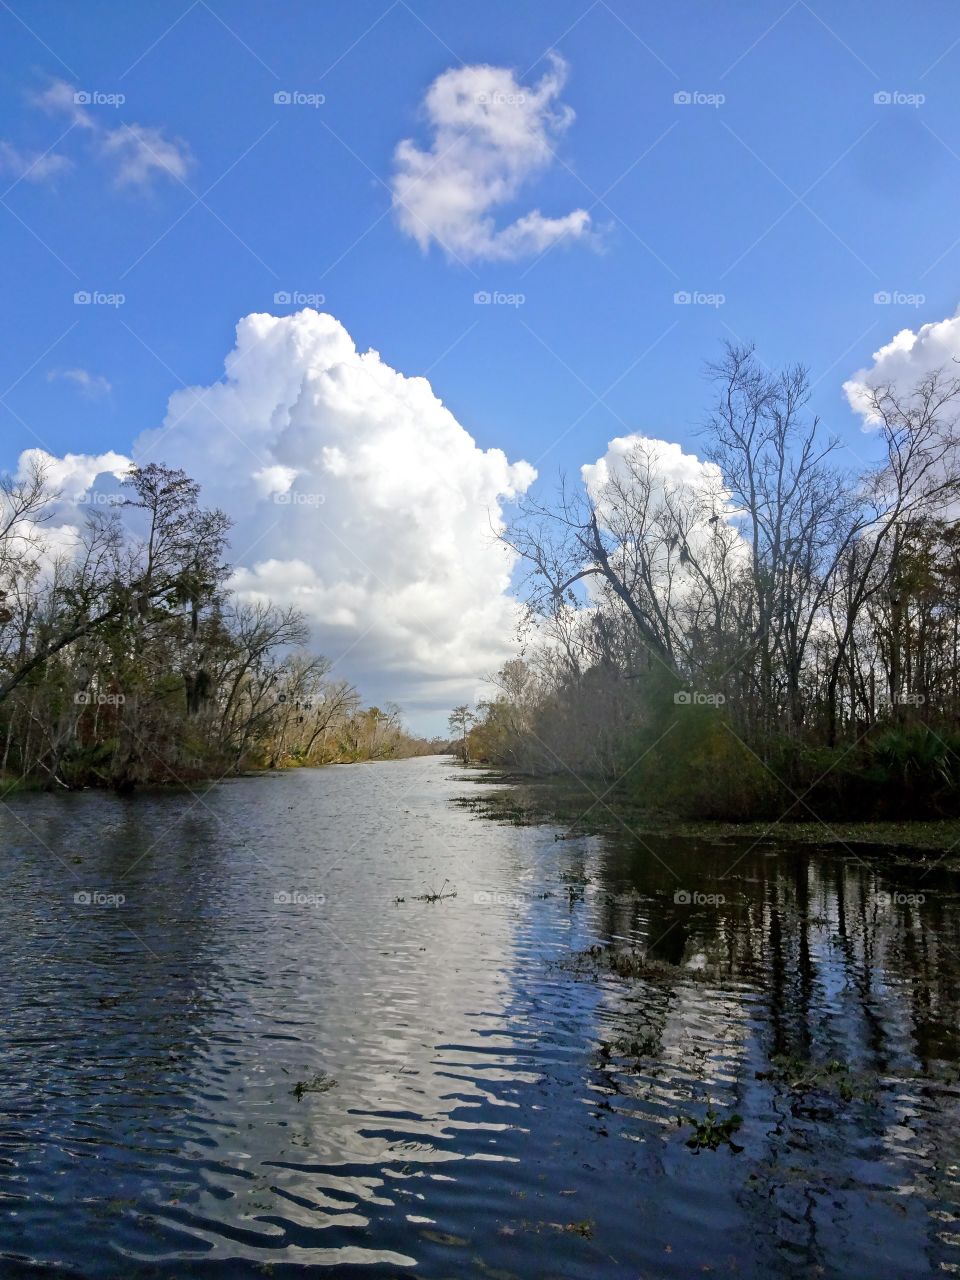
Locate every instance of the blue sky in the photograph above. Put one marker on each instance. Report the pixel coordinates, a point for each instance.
(798, 198)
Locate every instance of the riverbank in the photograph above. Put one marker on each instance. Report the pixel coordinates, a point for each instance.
(11, 784)
(594, 808)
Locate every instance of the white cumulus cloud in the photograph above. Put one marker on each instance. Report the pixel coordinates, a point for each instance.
(904, 360)
(669, 469)
(491, 135)
(73, 475)
(642, 485)
(359, 498)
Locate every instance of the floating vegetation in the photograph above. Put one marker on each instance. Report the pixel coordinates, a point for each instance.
(635, 1048)
(801, 1076)
(711, 1132)
(501, 808)
(320, 1083)
(575, 877)
(583, 1228)
(623, 962)
(533, 801)
(432, 895)
(445, 1238)
(436, 895)
(646, 1046)
(578, 879)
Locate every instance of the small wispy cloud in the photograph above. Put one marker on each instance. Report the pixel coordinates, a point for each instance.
(92, 386)
(138, 153)
(141, 152)
(61, 98)
(35, 167)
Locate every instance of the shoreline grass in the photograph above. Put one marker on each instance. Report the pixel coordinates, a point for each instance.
(590, 809)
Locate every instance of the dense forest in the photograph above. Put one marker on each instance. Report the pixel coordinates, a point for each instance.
(777, 635)
(125, 659)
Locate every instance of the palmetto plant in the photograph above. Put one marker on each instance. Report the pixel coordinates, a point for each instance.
(911, 755)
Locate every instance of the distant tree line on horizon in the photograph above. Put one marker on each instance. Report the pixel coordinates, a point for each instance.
(780, 637)
(125, 660)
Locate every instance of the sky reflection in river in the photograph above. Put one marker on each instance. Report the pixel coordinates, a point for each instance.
(498, 1107)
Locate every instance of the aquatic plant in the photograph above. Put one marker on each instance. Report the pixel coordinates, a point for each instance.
(711, 1132)
(801, 1076)
(319, 1083)
(436, 895)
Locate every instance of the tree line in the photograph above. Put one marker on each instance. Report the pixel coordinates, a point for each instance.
(125, 659)
(779, 632)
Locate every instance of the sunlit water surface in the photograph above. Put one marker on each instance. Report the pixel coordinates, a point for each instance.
(476, 1105)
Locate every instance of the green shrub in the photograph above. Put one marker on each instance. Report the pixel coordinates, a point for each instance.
(690, 760)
